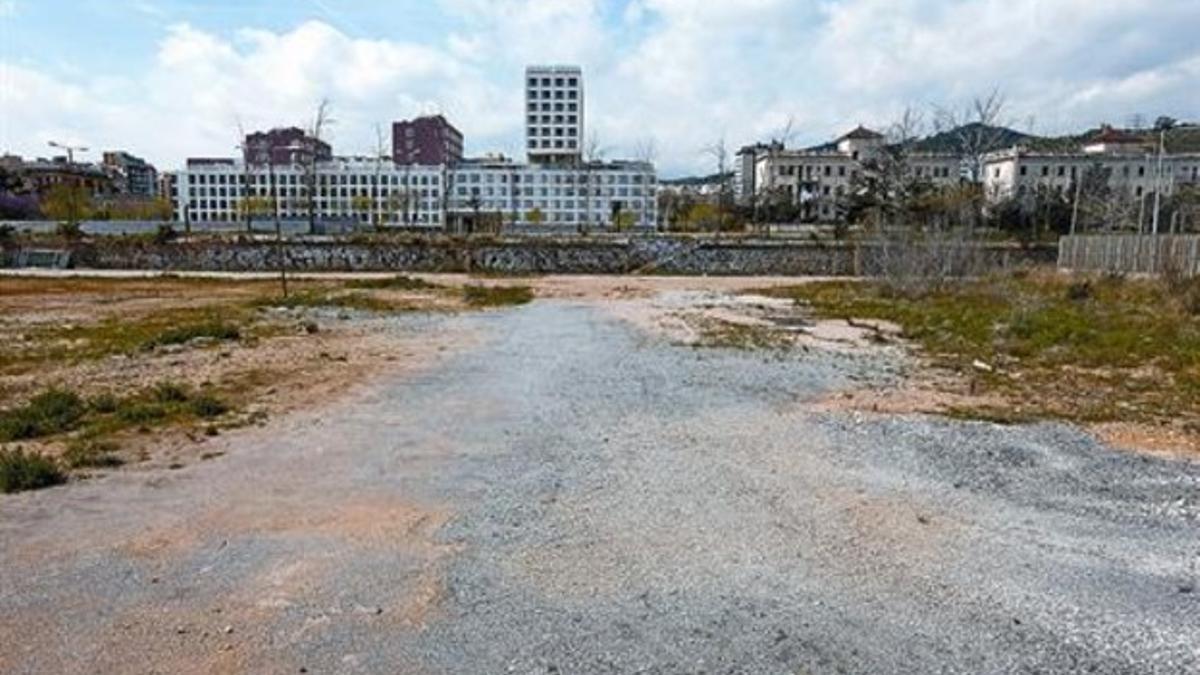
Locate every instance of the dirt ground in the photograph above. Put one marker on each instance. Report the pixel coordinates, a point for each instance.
(626, 475)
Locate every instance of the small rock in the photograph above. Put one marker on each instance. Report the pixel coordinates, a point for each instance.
(981, 366)
(1186, 588)
(227, 630)
(180, 630)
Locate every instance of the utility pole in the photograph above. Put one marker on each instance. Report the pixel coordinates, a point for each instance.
(1075, 206)
(1162, 140)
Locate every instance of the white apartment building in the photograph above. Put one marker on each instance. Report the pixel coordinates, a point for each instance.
(347, 190)
(1124, 160)
(601, 194)
(365, 191)
(554, 114)
(819, 179)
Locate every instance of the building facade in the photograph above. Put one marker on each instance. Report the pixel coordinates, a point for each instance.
(365, 192)
(819, 179)
(284, 145)
(428, 140)
(132, 176)
(39, 176)
(554, 114)
(1123, 162)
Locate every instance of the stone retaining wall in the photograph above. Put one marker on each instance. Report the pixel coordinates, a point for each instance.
(652, 255)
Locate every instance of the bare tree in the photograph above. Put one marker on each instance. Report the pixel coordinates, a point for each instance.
(322, 120)
(646, 150)
(377, 189)
(246, 156)
(786, 133)
(718, 151)
(977, 128)
(593, 155)
(882, 192)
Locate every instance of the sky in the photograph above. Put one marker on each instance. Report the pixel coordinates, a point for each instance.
(169, 79)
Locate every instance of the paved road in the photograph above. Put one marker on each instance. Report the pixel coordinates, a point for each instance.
(568, 495)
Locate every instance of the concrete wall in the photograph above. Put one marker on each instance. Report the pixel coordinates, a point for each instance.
(128, 227)
(1131, 253)
(659, 255)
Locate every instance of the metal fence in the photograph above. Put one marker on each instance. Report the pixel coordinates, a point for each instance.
(1131, 253)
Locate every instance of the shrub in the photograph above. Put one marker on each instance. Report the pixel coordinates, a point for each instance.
(20, 470)
(52, 411)
(91, 453)
(207, 406)
(164, 234)
(1079, 291)
(69, 231)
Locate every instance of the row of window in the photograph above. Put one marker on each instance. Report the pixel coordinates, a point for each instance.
(557, 94)
(557, 81)
(556, 107)
(554, 178)
(322, 179)
(463, 191)
(1127, 171)
(556, 119)
(558, 144)
(556, 131)
(283, 191)
(322, 206)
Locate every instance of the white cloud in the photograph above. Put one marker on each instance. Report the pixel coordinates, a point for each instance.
(683, 72)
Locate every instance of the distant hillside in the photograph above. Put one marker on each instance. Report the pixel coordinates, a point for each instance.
(951, 141)
(695, 180)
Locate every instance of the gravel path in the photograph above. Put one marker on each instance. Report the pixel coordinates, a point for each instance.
(569, 495)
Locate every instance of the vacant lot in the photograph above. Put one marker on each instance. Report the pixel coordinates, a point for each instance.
(100, 372)
(624, 475)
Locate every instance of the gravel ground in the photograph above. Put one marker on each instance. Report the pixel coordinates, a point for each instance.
(567, 494)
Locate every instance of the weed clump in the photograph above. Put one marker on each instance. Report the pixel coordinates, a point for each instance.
(53, 411)
(91, 454)
(497, 296)
(397, 283)
(104, 403)
(141, 412)
(207, 406)
(212, 329)
(20, 470)
(170, 392)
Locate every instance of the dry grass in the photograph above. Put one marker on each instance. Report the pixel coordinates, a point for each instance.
(226, 352)
(1090, 350)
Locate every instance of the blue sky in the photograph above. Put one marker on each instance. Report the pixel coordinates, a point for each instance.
(171, 78)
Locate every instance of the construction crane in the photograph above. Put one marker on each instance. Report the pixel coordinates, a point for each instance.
(70, 149)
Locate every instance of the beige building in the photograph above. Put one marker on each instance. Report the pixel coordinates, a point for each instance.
(1128, 164)
(819, 179)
